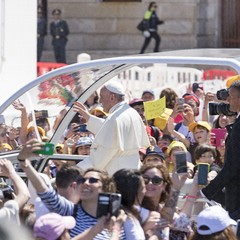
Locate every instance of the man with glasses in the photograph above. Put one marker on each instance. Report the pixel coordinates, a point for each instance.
(59, 31)
(229, 176)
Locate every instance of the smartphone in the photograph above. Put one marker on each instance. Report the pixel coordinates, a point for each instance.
(203, 169)
(180, 102)
(80, 128)
(83, 128)
(47, 149)
(181, 161)
(108, 203)
(218, 137)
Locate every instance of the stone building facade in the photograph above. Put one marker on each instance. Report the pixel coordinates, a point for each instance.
(108, 28)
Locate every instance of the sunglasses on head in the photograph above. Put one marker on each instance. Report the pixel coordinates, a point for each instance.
(154, 180)
(90, 180)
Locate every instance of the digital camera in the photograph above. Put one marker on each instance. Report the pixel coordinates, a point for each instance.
(220, 108)
(108, 203)
(222, 94)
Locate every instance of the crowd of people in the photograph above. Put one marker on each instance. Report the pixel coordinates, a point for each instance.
(134, 163)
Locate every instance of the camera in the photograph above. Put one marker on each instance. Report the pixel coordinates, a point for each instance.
(220, 108)
(180, 102)
(108, 203)
(41, 114)
(222, 94)
(6, 191)
(47, 149)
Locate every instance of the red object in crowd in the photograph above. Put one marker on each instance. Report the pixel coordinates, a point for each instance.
(44, 67)
(220, 74)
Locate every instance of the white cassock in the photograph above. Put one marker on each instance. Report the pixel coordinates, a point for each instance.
(117, 139)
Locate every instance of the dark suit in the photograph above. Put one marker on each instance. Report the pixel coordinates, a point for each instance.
(229, 176)
(59, 31)
(41, 33)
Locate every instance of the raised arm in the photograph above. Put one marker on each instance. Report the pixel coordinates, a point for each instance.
(24, 120)
(81, 109)
(21, 191)
(179, 136)
(23, 157)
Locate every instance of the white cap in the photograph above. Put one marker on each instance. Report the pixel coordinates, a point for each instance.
(214, 219)
(115, 87)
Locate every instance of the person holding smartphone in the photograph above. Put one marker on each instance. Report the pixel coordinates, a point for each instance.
(91, 183)
(229, 176)
(205, 153)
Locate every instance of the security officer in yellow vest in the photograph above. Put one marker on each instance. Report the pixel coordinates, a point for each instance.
(59, 31)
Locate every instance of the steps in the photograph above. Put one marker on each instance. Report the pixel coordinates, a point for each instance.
(71, 55)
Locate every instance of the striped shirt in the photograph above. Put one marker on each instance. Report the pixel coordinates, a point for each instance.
(58, 204)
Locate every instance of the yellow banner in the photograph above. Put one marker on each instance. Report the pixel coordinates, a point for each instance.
(154, 108)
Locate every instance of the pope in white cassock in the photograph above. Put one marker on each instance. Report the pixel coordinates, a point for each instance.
(117, 138)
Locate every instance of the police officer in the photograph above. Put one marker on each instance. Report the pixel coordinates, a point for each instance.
(59, 31)
(41, 33)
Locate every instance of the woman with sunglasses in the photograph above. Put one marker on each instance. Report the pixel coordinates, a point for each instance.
(140, 222)
(92, 183)
(161, 195)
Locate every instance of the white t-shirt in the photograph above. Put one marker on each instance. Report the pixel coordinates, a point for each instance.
(10, 212)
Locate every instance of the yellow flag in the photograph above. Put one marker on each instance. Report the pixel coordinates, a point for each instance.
(154, 108)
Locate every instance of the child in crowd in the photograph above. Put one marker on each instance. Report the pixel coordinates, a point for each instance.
(154, 154)
(172, 148)
(201, 132)
(205, 153)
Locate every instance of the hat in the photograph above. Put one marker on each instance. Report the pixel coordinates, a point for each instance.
(83, 141)
(231, 80)
(148, 91)
(142, 150)
(154, 150)
(189, 96)
(214, 219)
(136, 101)
(5, 146)
(51, 225)
(176, 144)
(161, 121)
(98, 110)
(115, 87)
(40, 130)
(59, 145)
(56, 11)
(199, 123)
(196, 86)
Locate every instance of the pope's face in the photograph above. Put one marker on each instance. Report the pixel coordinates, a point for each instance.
(105, 99)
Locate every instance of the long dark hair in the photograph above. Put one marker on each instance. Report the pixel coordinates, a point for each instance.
(128, 183)
(147, 202)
